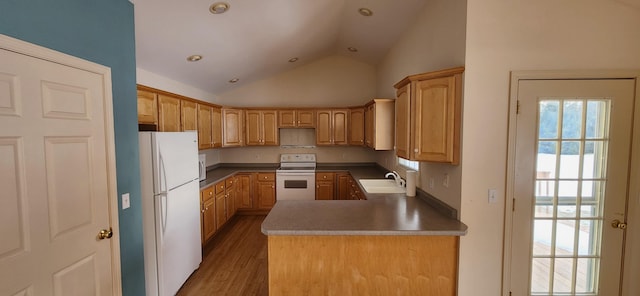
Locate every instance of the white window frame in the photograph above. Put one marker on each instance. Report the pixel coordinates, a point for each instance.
(408, 164)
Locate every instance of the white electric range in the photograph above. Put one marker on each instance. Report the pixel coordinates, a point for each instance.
(296, 177)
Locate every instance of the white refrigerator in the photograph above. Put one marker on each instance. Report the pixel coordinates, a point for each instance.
(170, 209)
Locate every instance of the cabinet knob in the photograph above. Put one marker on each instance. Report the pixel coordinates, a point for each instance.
(324, 177)
(210, 193)
(273, 187)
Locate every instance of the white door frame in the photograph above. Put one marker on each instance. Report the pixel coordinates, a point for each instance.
(29, 49)
(632, 239)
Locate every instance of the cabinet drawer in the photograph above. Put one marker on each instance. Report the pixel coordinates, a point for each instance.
(266, 176)
(325, 176)
(229, 182)
(219, 187)
(206, 194)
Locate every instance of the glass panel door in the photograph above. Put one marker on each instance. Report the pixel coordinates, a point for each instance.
(569, 193)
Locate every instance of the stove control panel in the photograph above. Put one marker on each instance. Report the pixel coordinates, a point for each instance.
(299, 157)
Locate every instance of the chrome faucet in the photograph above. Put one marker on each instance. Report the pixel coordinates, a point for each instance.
(396, 177)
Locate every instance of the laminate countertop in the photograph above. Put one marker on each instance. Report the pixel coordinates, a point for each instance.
(379, 214)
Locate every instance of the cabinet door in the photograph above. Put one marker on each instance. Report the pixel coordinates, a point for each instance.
(232, 128)
(340, 125)
(188, 115)
(369, 119)
(208, 219)
(270, 134)
(403, 112)
(168, 114)
(266, 190)
(324, 190)
(253, 127)
(325, 187)
(287, 118)
(230, 201)
(342, 186)
(147, 107)
(216, 127)
(435, 129)
(204, 126)
(305, 118)
(244, 191)
(221, 212)
(357, 124)
(323, 127)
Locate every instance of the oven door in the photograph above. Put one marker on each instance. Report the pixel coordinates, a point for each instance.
(295, 185)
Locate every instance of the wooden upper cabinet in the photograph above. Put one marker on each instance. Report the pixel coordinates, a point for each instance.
(379, 124)
(216, 127)
(204, 126)
(356, 126)
(323, 127)
(147, 107)
(435, 100)
(403, 127)
(270, 128)
(296, 118)
(232, 127)
(306, 118)
(332, 127)
(188, 115)
(262, 127)
(168, 114)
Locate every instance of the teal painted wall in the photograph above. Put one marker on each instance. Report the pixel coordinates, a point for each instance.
(101, 31)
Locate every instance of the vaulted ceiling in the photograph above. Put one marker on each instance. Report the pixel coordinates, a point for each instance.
(255, 39)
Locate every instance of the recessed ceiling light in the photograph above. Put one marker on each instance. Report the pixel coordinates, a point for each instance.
(194, 58)
(293, 60)
(234, 80)
(219, 7)
(365, 11)
(352, 49)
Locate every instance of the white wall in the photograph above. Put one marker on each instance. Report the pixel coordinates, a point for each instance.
(506, 35)
(435, 41)
(334, 81)
(151, 79)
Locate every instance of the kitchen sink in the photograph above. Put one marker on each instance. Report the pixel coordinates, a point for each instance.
(381, 186)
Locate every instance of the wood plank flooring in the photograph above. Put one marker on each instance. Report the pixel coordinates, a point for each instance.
(234, 262)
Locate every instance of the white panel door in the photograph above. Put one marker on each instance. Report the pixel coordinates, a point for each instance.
(53, 179)
(573, 149)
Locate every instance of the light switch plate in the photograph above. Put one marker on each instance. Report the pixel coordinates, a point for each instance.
(493, 196)
(126, 203)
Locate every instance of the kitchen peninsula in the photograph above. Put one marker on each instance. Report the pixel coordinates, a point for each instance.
(387, 244)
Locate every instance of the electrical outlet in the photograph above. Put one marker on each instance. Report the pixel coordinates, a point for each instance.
(431, 183)
(126, 202)
(445, 181)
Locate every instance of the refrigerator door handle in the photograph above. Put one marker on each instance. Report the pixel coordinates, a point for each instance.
(163, 211)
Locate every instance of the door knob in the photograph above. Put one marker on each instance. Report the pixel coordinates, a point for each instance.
(105, 233)
(617, 224)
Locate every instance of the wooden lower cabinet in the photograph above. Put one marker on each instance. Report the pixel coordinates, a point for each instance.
(325, 265)
(230, 197)
(244, 191)
(266, 190)
(221, 206)
(207, 216)
(325, 187)
(342, 186)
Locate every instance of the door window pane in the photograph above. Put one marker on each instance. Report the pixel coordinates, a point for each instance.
(572, 119)
(569, 191)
